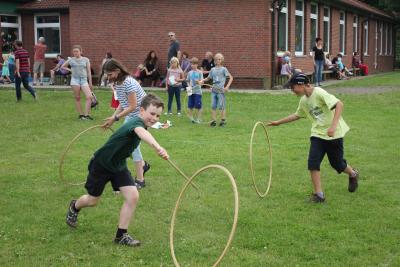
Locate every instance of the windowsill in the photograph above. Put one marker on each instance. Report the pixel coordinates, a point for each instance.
(50, 55)
(301, 56)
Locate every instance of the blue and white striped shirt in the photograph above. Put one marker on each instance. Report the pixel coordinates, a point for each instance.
(129, 86)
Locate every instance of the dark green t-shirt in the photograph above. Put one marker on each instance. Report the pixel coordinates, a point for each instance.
(113, 154)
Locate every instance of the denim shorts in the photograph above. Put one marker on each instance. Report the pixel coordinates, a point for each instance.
(218, 101)
(79, 82)
(194, 101)
(136, 154)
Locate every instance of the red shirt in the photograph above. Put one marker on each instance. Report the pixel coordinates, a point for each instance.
(23, 57)
(40, 50)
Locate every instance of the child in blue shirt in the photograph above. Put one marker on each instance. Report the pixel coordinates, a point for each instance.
(218, 75)
(194, 77)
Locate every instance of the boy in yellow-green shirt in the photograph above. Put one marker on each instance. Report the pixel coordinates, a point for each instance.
(327, 131)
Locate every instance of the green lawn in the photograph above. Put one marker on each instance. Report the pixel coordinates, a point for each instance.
(382, 79)
(284, 229)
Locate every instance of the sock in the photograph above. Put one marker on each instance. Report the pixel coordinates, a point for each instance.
(74, 208)
(320, 194)
(120, 232)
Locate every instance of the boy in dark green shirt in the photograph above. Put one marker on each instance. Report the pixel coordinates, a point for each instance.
(109, 165)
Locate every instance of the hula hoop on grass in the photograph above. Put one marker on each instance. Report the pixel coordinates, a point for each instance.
(262, 195)
(61, 171)
(235, 217)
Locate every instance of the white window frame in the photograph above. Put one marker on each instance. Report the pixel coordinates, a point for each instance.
(285, 11)
(300, 14)
(343, 22)
(355, 33)
(47, 25)
(381, 38)
(327, 19)
(386, 39)
(366, 38)
(391, 40)
(12, 25)
(314, 16)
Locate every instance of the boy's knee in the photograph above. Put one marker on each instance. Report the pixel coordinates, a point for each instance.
(93, 201)
(133, 198)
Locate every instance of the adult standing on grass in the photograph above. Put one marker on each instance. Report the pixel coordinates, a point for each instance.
(38, 65)
(22, 70)
(319, 60)
(109, 165)
(130, 95)
(327, 131)
(174, 49)
(81, 79)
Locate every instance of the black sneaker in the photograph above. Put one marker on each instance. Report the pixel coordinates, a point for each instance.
(213, 124)
(72, 215)
(317, 199)
(140, 184)
(353, 182)
(82, 117)
(87, 117)
(146, 167)
(222, 123)
(127, 240)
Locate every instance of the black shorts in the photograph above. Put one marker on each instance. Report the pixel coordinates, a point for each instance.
(98, 177)
(333, 148)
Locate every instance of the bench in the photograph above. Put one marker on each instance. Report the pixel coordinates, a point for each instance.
(355, 71)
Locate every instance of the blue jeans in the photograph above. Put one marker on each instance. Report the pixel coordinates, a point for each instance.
(25, 81)
(174, 90)
(11, 68)
(218, 100)
(319, 67)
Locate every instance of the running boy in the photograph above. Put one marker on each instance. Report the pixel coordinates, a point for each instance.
(218, 75)
(109, 165)
(193, 77)
(327, 131)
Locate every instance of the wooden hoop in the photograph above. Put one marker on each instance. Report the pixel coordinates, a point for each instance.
(235, 217)
(61, 172)
(262, 195)
(182, 173)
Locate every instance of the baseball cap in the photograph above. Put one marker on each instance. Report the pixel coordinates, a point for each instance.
(297, 78)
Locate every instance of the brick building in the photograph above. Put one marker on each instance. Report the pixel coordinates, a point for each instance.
(241, 30)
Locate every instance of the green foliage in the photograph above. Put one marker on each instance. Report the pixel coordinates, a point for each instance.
(284, 229)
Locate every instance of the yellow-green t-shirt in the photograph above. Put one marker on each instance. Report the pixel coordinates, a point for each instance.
(319, 108)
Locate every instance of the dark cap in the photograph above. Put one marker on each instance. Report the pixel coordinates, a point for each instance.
(297, 78)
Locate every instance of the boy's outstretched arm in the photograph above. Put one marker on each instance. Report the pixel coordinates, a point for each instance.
(336, 117)
(290, 118)
(149, 139)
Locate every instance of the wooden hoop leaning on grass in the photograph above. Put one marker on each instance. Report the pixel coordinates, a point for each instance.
(61, 171)
(235, 217)
(262, 195)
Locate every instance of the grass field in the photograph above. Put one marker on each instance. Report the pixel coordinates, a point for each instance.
(284, 229)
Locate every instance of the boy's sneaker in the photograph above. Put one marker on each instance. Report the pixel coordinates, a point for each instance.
(82, 117)
(87, 117)
(222, 123)
(72, 215)
(213, 124)
(198, 121)
(179, 113)
(146, 167)
(317, 199)
(127, 240)
(140, 184)
(353, 182)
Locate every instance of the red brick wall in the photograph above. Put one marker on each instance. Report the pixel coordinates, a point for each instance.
(129, 29)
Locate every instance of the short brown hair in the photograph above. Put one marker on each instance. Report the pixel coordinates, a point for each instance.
(194, 60)
(152, 99)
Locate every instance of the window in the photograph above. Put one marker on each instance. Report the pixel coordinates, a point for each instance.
(355, 33)
(366, 38)
(314, 23)
(10, 31)
(283, 28)
(326, 28)
(299, 28)
(342, 33)
(381, 37)
(48, 26)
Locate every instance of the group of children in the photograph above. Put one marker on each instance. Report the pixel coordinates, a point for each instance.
(194, 78)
